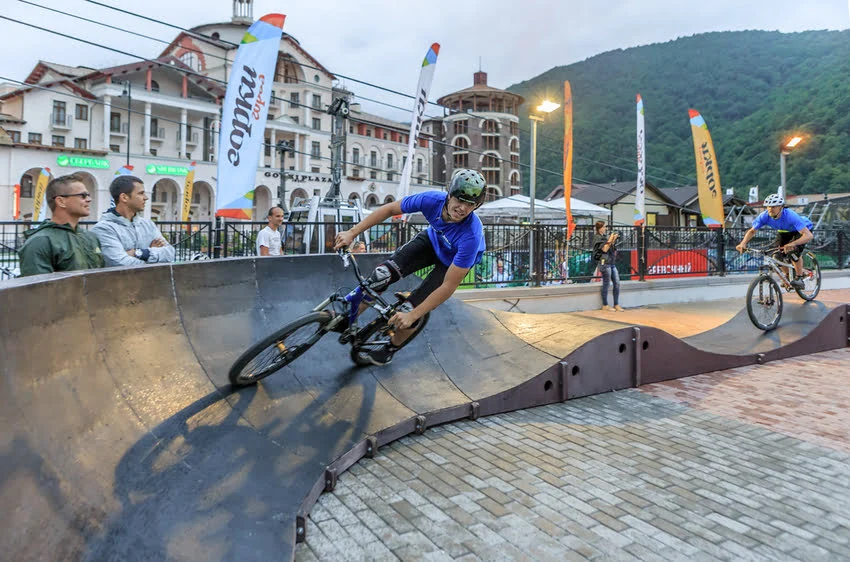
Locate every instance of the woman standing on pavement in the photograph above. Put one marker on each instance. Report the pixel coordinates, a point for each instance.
(605, 253)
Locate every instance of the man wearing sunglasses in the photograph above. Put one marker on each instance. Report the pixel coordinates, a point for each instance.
(128, 238)
(58, 244)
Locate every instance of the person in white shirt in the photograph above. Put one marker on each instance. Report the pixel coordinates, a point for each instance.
(268, 239)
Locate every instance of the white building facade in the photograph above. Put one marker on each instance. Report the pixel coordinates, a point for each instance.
(76, 120)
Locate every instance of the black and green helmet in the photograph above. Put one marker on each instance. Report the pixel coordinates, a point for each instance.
(468, 186)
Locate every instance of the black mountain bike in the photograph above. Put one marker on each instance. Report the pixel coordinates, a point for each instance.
(337, 313)
(764, 296)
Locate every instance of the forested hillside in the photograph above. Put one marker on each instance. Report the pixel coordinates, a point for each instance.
(753, 88)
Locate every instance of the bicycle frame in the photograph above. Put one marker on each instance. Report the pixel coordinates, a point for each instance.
(773, 265)
(361, 293)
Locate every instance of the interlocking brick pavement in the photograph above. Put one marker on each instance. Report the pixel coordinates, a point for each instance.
(747, 464)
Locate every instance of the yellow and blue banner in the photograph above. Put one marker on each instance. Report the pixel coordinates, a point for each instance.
(708, 176)
(187, 192)
(244, 115)
(568, 156)
(39, 210)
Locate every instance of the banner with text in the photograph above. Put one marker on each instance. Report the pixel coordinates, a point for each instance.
(568, 157)
(39, 210)
(640, 194)
(708, 177)
(426, 76)
(187, 192)
(244, 114)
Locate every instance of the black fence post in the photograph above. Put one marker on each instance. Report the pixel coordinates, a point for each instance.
(721, 251)
(641, 250)
(840, 249)
(210, 238)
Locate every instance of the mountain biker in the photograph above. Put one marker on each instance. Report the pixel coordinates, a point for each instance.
(793, 232)
(453, 244)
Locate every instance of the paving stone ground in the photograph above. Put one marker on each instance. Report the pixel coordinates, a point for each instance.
(746, 464)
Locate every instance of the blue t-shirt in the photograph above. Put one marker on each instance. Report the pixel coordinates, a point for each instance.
(788, 221)
(458, 243)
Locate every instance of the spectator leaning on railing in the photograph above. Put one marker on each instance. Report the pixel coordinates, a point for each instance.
(59, 244)
(127, 238)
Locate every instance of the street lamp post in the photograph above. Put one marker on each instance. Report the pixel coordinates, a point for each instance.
(783, 152)
(545, 107)
(283, 147)
(128, 89)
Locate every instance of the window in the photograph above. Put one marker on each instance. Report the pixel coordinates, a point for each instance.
(514, 129)
(461, 144)
(355, 156)
(58, 140)
(491, 143)
(153, 153)
(294, 99)
(196, 197)
(190, 59)
(295, 119)
(514, 145)
(514, 161)
(34, 138)
(461, 160)
(420, 179)
(390, 161)
(82, 112)
(188, 156)
(490, 161)
(368, 132)
(26, 187)
(356, 172)
(315, 149)
(462, 126)
(16, 135)
(390, 176)
(81, 143)
(514, 180)
(386, 136)
(115, 122)
(59, 113)
(491, 126)
(267, 147)
(154, 86)
(317, 101)
(373, 160)
(491, 177)
(373, 174)
(317, 124)
(154, 127)
(314, 169)
(114, 148)
(418, 165)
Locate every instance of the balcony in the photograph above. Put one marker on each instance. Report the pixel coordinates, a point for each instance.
(191, 140)
(119, 131)
(60, 121)
(157, 134)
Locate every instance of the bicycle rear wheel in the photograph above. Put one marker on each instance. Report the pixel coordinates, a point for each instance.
(811, 272)
(279, 349)
(764, 302)
(376, 334)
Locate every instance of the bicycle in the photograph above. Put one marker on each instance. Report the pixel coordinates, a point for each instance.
(764, 295)
(337, 313)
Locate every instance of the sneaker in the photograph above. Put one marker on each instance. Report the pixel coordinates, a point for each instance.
(799, 283)
(382, 355)
(619, 308)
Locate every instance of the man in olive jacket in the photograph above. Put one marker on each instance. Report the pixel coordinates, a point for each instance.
(59, 244)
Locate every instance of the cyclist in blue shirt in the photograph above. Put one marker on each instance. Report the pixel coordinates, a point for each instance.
(793, 232)
(453, 244)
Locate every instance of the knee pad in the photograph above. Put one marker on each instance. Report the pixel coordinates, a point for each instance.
(383, 276)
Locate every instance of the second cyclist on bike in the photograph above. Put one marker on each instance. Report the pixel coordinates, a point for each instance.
(453, 244)
(793, 232)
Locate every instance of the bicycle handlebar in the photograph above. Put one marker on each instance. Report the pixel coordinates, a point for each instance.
(348, 258)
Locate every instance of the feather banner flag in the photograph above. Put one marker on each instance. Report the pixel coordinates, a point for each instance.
(244, 114)
(16, 208)
(39, 211)
(426, 76)
(187, 192)
(708, 177)
(568, 156)
(640, 194)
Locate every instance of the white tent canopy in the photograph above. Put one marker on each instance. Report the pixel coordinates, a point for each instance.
(520, 206)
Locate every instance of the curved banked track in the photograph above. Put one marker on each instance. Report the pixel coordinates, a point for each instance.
(122, 440)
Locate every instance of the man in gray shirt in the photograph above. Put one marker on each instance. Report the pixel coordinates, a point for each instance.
(126, 237)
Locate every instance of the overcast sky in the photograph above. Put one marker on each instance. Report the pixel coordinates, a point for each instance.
(383, 42)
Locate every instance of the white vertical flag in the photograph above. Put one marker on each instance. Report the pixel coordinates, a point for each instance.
(426, 76)
(640, 193)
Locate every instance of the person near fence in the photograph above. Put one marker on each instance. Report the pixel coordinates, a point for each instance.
(358, 247)
(128, 238)
(605, 254)
(59, 244)
(792, 233)
(453, 244)
(268, 239)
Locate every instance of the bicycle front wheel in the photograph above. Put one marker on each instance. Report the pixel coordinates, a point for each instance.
(764, 302)
(279, 349)
(811, 274)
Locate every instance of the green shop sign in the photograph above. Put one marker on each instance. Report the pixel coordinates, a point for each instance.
(163, 170)
(82, 162)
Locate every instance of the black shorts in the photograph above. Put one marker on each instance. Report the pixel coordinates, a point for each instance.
(783, 238)
(415, 255)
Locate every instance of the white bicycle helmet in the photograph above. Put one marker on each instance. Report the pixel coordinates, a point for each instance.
(774, 200)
